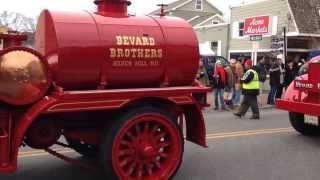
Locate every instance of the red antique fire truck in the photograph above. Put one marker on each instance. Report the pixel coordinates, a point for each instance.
(118, 88)
(302, 100)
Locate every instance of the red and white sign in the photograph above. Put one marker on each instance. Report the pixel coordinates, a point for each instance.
(259, 25)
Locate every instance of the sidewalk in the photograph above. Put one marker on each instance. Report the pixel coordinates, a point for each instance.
(262, 101)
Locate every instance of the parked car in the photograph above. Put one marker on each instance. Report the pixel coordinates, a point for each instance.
(305, 67)
(209, 62)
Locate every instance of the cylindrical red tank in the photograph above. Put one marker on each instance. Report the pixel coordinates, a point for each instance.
(89, 50)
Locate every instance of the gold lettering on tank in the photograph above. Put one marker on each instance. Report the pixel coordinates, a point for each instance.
(125, 40)
(135, 51)
(145, 41)
(140, 53)
(119, 40)
(138, 42)
(151, 41)
(113, 53)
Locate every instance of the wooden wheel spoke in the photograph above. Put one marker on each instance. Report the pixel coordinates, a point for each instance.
(163, 145)
(125, 143)
(149, 169)
(130, 135)
(126, 161)
(154, 129)
(158, 165)
(140, 170)
(138, 129)
(163, 155)
(160, 135)
(131, 168)
(146, 127)
(125, 152)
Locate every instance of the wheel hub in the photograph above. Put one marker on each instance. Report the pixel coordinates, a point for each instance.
(148, 151)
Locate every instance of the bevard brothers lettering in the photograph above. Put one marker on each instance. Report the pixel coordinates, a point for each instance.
(135, 51)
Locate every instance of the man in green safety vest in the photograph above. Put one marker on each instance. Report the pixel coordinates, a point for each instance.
(250, 90)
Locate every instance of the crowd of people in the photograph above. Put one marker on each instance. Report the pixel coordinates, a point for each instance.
(229, 81)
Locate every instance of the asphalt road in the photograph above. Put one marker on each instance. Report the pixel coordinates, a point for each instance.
(239, 149)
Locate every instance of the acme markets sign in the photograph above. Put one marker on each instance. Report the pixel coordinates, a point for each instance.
(258, 25)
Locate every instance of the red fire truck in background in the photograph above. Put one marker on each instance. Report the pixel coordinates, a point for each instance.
(117, 87)
(302, 99)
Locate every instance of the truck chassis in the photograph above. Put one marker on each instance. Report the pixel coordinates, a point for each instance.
(134, 132)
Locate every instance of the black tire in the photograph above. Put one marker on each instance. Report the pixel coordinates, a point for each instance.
(88, 151)
(111, 133)
(297, 122)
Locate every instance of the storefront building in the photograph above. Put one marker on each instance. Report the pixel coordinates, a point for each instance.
(257, 29)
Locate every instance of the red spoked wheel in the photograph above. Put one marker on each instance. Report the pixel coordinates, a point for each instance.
(147, 144)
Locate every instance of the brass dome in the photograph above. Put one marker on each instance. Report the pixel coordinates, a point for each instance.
(23, 77)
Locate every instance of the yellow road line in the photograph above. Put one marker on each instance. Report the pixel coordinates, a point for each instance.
(40, 151)
(248, 133)
(43, 154)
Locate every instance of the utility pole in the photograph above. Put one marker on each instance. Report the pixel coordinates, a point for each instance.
(285, 44)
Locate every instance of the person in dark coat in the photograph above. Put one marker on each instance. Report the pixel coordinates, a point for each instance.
(276, 80)
(281, 62)
(250, 90)
(290, 75)
(202, 74)
(261, 70)
(298, 63)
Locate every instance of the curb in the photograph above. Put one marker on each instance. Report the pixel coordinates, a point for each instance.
(267, 107)
(264, 107)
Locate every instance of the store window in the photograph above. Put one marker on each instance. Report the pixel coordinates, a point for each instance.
(237, 29)
(241, 29)
(298, 43)
(199, 5)
(214, 46)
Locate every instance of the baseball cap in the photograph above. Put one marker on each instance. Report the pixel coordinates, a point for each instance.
(248, 62)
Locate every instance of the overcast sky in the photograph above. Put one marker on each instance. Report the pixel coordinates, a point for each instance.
(33, 7)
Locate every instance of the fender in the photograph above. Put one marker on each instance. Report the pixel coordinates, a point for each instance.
(195, 125)
(25, 121)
